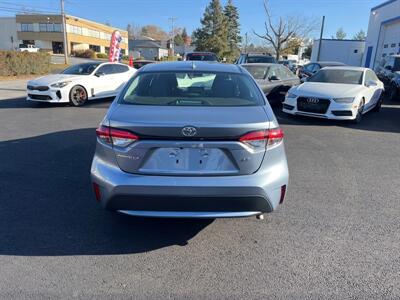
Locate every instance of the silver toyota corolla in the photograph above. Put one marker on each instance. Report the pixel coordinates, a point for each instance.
(190, 139)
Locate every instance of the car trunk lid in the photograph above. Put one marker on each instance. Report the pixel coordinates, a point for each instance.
(187, 140)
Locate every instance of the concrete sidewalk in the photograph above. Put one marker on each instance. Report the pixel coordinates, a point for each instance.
(10, 89)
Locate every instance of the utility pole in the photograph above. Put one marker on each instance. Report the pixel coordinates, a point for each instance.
(320, 37)
(65, 33)
(245, 43)
(172, 19)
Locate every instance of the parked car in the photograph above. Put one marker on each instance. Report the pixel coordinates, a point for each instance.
(342, 93)
(137, 64)
(80, 83)
(312, 68)
(202, 56)
(274, 80)
(250, 58)
(390, 75)
(27, 48)
(290, 64)
(190, 139)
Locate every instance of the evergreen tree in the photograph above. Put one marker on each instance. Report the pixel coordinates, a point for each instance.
(340, 34)
(360, 36)
(233, 37)
(212, 36)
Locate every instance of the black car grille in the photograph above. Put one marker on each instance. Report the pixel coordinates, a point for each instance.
(313, 105)
(39, 97)
(38, 88)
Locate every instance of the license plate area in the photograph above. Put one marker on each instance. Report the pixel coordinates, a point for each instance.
(188, 161)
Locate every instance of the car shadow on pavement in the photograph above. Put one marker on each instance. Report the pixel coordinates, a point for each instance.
(47, 206)
(13, 103)
(387, 120)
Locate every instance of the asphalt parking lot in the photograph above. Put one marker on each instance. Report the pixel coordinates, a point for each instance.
(337, 235)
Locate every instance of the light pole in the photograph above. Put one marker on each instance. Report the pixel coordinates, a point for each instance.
(65, 33)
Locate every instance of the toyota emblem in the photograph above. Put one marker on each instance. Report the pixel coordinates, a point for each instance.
(312, 100)
(189, 131)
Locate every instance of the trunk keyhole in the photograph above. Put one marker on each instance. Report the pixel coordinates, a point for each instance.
(201, 161)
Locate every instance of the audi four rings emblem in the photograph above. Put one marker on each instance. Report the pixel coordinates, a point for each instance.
(189, 131)
(312, 100)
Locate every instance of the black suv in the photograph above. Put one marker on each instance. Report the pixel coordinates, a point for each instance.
(248, 58)
(390, 76)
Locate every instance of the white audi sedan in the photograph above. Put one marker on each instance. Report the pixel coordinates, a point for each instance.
(80, 83)
(342, 93)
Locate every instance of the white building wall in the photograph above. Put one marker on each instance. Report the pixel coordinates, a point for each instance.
(383, 29)
(349, 52)
(44, 44)
(8, 33)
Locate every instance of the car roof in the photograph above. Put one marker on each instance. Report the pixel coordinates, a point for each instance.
(259, 64)
(202, 66)
(200, 52)
(330, 63)
(351, 68)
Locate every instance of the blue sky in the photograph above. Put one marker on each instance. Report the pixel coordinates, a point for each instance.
(352, 15)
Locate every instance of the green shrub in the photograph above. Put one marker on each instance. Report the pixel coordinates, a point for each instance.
(14, 63)
(125, 57)
(101, 55)
(88, 53)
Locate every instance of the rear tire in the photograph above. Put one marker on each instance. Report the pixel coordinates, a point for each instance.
(77, 95)
(359, 112)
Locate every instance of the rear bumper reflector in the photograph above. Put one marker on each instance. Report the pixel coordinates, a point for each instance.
(283, 193)
(96, 190)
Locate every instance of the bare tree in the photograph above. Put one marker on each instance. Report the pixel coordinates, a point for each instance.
(278, 32)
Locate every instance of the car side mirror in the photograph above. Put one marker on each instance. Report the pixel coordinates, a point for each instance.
(371, 83)
(388, 67)
(99, 74)
(273, 78)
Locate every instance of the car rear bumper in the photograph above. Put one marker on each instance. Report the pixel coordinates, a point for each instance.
(194, 197)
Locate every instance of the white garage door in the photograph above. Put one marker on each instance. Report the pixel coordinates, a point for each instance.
(390, 36)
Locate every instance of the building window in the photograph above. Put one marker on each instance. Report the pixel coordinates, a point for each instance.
(94, 33)
(393, 45)
(26, 27)
(95, 48)
(75, 29)
(42, 27)
(107, 36)
(50, 27)
(107, 49)
(384, 55)
(385, 46)
(57, 27)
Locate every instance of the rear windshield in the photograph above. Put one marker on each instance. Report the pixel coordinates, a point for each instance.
(260, 59)
(337, 76)
(201, 56)
(192, 89)
(258, 72)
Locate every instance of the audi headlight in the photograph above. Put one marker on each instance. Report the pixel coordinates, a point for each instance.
(60, 84)
(291, 95)
(344, 100)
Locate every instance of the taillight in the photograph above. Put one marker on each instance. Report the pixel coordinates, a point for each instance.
(263, 138)
(115, 137)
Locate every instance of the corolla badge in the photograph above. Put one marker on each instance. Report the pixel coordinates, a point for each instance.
(189, 131)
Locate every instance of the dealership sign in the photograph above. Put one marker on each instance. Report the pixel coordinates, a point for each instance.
(115, 53)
